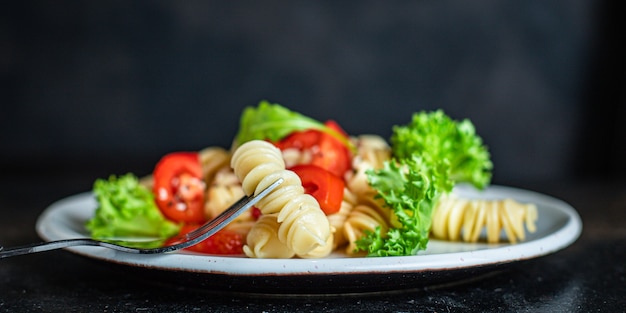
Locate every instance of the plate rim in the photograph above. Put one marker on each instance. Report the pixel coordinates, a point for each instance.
(246, 267)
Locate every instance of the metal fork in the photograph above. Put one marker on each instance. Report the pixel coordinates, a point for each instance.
(201, 233)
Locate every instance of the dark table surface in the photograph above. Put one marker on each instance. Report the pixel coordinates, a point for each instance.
(588, 276)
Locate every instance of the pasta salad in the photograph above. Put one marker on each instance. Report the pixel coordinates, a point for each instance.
(359, 194)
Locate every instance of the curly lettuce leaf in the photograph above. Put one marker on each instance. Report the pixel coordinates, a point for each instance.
(435, 136)
(127, 209)
(429, 156)
(410, 189)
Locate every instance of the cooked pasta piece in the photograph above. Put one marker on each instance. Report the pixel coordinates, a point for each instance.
(223, 191)
(368, 212)
(212, 160)
(293, 156)
(373, 149)
(320, 251)
(241, 226)
(362, 218)
(303, 226)
(337, 220)
(262, 240)
(461, 219)
(372, 152)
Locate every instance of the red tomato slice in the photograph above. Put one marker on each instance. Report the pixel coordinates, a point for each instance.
(256, 213)
(324, 186)
(224, 242)
(300, 140)
(333, 156)
(179, 188)
(335, 126)
(327, 151)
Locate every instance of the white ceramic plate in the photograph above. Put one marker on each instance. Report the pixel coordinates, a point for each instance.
(558, 226)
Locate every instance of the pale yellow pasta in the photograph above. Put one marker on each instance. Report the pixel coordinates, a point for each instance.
(293, 156)
(241, 226)
(373, 149)
(262, 240)
(303, 226)
(337, 220)
(363, 218)
(447, 218)
(290, 189)
(368, 212)
(357, 183)
(258, 156)
(320, 251)
(461, 219)
(223, 191)
(213, 159)
(372, 152)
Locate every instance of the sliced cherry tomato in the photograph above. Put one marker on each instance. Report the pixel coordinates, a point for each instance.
(256, 213)
(323, 185)
(224, 242)
(179, 188)
(333, 155)
(335, 126)
(300, 140)
(327, 151)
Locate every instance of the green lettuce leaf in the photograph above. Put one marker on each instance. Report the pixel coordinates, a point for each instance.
(127, 209)
(435, 136)
(429, 156)
(273, 122)
(410, 188)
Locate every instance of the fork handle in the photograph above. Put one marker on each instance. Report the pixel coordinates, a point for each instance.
(60, 244)
(205, 231)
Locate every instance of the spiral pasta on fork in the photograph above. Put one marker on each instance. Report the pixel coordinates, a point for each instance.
(301, 225)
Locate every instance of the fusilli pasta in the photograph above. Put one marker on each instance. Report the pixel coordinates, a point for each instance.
(212, 159)
(455, 218)
(223, 191)
(368, 212)
(262, 240)
(303, 226)
(338, 219)
(362, 218)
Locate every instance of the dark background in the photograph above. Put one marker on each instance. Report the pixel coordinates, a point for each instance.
(93, 88)
(110, 86)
